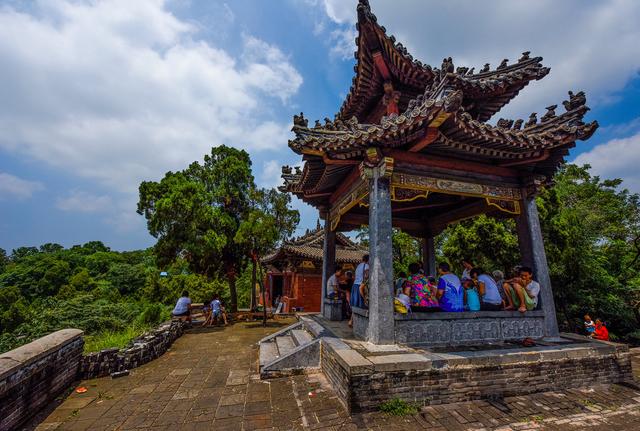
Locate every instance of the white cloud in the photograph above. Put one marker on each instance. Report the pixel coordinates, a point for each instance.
(17, 188)
(270, 175)
(591, 46)
(84, 202)
(119, 91)
(618, 158)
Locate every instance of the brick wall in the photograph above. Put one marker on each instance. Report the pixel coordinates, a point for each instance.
(34, 374)
(364, 388)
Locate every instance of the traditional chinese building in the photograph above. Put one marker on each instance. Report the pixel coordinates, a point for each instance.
(413, 147)
(294, 270)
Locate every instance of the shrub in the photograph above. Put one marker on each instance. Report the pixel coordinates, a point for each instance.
(398, 407)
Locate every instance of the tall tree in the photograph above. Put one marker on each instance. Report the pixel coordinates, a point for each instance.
(197, 212)
(4, 260)
(269, 222)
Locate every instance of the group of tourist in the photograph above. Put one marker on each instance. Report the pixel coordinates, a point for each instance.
(212, 311)
(473, 290)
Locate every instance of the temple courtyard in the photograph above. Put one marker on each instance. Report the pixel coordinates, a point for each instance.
(209, 380)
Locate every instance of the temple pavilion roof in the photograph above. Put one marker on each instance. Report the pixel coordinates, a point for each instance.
(380, 58)
(309, 247)
(399, 105)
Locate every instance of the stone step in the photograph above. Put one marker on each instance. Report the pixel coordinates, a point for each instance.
(285, 344)
(268, 352)
(300, 336)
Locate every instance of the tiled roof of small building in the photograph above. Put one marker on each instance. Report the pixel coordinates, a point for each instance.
(309, 246)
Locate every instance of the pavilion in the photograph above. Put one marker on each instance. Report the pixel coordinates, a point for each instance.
(294, 270)
(412, 147)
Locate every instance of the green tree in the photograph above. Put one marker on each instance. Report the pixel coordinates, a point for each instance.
(13, 308)
(4, 260)
(488, 242)
(126, 278)
(50, 247)
(22, 252)
(406, 248)
(591, 229)
(197, 212)
(269, 221)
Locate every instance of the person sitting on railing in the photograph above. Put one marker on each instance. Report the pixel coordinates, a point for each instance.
(601, 332)
(523, 290)
(498, 276)
(490, 299)
(423, 294)
(183, 307)
(450, 292)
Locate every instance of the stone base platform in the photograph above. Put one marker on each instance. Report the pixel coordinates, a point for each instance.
(365, 375)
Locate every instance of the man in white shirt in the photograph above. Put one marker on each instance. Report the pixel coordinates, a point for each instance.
(333, 284)
(183, 307)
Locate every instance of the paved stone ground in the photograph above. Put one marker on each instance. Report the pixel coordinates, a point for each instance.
(208, 381)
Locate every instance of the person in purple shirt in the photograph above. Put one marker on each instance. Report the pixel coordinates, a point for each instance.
(450, 291)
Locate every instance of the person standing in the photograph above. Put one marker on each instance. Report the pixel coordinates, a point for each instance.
(333, 284)
(362, 273)
(450, 291)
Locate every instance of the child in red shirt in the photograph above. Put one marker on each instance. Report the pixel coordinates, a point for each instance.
(601, 332)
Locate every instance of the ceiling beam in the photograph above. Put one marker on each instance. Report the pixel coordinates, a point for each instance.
(450, 164)
(431, 135)
(477, 207)
(381, 65)
(353, 176)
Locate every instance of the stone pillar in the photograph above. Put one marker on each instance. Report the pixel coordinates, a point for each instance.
(429, 255)
(381, 321)
(524, 239)
(328, 259)
(530, 235)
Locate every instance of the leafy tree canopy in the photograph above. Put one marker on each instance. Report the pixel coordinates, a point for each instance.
(207, 214)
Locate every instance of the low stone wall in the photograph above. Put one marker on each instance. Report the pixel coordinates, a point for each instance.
(143, 349)
(428, 378)
(450, 329)
(34, 374)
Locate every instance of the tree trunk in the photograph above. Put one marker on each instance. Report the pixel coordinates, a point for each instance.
(233, 293)
(254, 301)
(264, 299)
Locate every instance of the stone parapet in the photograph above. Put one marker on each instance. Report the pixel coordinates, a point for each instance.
(364, 381)
(141, 350)
(32, 375)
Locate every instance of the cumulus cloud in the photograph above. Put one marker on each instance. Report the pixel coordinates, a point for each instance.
(270, 175)
(618, 158)
(590, 46)
(120, 91)
(12, 187)
(84, 202)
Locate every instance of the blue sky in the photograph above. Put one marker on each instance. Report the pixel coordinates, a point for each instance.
(100, 95)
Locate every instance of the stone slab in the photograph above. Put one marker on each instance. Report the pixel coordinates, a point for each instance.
(301, 336)
(285, 344)
(412, 361)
